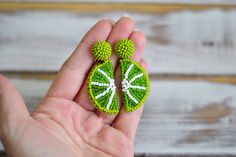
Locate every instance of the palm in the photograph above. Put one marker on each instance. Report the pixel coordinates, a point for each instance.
(65, 123)
(68, 126)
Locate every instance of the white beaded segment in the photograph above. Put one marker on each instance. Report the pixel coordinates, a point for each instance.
(110, 87)
(131, 97)
(100, 84)
(137, 87)
(126, 85)
(105, 74)
(136, 77)
(127, 72)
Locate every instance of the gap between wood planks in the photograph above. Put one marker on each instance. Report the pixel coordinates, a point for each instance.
(228, 79)
(102, 7)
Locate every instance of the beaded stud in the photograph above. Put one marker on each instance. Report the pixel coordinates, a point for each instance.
(101, 83)
(135, 81)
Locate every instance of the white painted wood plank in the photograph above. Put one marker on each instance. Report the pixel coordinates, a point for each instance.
(188, 117)
(180, 117)
(136, 1)
(202, 42)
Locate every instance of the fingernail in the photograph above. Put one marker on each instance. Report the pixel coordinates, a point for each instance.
(110, 20)
(138, 30)
(127, 16)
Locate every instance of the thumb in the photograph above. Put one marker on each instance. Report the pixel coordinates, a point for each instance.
(12, 106)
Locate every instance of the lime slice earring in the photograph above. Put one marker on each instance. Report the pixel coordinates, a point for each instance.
(135, 81)
(101, 83)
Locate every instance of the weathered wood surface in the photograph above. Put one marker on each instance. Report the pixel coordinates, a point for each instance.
(184, 42)
(191, 117)
(105, 7)
(191, 52)
(136, 1)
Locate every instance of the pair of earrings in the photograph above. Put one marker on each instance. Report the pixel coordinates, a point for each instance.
(101, 83)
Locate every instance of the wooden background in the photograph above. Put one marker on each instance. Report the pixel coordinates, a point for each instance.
(191, 50)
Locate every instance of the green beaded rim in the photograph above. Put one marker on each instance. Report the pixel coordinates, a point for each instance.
(90, 89)
(140, 103)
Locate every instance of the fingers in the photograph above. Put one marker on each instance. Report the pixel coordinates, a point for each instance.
(123, 29)
(139, 41)
(82, 96)
(127, 122)
(12, 106)
(73, 72)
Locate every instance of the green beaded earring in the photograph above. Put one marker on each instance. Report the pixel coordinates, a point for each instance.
(101, 83)
(135, 81)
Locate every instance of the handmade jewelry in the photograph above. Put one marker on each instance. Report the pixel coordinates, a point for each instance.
(101, 83)
(135, 81)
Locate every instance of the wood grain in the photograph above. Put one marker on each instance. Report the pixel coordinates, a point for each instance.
(191, 53)
(180, 117)
(184, 42)
(135, 1)
(101, 7)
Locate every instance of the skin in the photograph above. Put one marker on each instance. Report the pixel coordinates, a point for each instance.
(65, 123)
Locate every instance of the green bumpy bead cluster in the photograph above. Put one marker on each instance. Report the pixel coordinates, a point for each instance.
(124, 48)
(101, 50)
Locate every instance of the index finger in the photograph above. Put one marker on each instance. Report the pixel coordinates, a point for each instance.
(73, 72)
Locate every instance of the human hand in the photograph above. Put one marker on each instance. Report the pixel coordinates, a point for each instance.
(66, 123)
